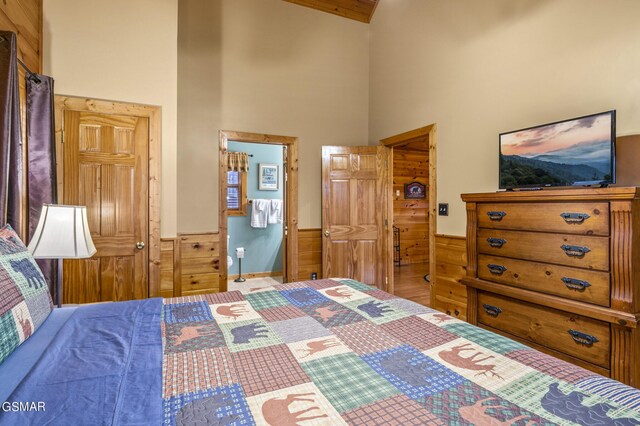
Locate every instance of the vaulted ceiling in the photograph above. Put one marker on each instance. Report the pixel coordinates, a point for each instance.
(360, 10)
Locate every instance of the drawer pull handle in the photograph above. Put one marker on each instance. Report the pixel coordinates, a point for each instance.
(583, 338)
(496, 216)
(496, 269)
(574, 284)
(575, 251)
(496, 242)
(575, 217)
(494, 311)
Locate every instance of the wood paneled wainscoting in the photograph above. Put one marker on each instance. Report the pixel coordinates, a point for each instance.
(448, 294)
(309, 253)
(200, 264)
(190, 266)
(190, 263)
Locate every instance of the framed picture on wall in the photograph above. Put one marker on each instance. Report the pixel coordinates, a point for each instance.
(415, 191)
(268, 177)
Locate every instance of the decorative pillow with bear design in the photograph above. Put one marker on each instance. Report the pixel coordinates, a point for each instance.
(25, 301)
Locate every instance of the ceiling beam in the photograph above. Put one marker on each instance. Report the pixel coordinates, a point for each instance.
(359, 10)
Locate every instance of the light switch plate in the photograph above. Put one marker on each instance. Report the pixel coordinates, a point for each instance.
(443, 209)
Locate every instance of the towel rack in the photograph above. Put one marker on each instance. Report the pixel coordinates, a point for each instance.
(250, 201)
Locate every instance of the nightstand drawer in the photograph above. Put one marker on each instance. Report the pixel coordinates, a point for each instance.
(566, 218)
(575, 335)
(571, 283)
(561, 249)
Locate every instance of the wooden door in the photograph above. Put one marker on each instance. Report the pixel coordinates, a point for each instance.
(355, 193)
(106, 169)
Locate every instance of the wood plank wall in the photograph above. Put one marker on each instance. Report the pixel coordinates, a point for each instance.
(170, 268)
(309, 253)
(449, 295)
(24, 17)
(199, 263)
(411, 216)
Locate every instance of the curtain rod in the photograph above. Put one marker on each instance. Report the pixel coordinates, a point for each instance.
(234, 152)
(30, 73)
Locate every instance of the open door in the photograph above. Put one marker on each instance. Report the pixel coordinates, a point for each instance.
(355, 196)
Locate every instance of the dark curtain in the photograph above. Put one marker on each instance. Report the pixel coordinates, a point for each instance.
(41, 154)
(10, 138)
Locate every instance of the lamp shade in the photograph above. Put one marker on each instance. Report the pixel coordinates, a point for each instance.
(62, 233)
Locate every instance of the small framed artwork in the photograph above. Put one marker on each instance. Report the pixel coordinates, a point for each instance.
(268, 177)
(415, 191)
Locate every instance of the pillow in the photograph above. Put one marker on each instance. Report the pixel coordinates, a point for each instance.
(25, 301)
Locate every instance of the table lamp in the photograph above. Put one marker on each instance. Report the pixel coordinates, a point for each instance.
(62, 233)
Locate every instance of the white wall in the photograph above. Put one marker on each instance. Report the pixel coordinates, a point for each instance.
(477, 68)
(265, 66)
(123, 50)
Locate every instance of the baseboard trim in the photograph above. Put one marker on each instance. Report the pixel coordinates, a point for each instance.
(257, 275)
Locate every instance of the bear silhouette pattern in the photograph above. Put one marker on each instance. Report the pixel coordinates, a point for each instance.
(570, 407)
(187, 312)
(302, 297)
(29, 271)
(375, 309)
(246, 333)
(204, 412)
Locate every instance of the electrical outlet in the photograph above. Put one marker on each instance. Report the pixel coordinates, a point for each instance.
(443, 209)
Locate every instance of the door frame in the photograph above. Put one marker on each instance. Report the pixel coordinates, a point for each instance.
(291, 220)
(429, 132)
(154, 115)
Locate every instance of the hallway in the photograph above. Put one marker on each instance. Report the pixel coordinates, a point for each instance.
(410, 284)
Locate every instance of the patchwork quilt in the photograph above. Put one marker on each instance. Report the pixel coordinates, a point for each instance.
(340, 352)
(328, 352)
(25, 302)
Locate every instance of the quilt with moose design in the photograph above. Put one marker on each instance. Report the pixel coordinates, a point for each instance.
(340, 352)
(325, 352)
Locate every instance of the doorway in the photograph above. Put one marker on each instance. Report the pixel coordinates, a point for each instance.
(412, 208)
(108, 159)
(241, 193)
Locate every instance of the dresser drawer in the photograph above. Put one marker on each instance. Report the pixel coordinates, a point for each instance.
(566, 218)
(562, 249)
(571, 283)
(575, 335)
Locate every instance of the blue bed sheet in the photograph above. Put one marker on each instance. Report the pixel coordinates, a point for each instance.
(15, 368)
(104, 367)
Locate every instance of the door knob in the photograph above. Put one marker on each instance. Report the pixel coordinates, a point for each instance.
(326, 233)
(140, 245)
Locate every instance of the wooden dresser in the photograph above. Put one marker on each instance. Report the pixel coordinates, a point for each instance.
(559, 270)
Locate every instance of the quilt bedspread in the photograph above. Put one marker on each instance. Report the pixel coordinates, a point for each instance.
(326, 352)
(340, 352)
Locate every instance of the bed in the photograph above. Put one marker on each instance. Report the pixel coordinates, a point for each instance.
(330, 351)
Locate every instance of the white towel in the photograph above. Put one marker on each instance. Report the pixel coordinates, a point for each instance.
(259, 213)
(275, 212)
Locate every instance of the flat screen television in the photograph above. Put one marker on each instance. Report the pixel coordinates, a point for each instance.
(579, 151)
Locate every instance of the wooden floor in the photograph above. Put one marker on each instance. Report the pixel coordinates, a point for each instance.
(410, 284)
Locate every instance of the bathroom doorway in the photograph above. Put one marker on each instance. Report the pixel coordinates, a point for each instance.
(258, 209)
